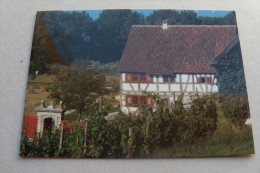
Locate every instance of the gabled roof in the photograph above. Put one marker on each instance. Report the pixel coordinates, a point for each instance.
(177, 49)
(224, 52)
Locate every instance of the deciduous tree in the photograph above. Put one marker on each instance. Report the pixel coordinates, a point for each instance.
(77, 88)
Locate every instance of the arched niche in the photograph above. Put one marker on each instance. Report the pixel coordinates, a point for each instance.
(47, 115)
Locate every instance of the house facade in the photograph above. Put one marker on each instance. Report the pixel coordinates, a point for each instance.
(170, 60)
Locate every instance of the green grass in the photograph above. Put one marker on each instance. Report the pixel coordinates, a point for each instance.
(232, 143)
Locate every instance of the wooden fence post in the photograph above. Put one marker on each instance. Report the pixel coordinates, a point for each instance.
(85, 139)
(101, 103)
(61, 136)
(148, 133)
(129, 155)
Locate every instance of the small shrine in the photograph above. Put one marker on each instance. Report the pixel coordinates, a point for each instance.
(49, 117)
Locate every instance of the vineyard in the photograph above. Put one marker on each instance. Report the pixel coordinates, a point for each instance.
(207, 128)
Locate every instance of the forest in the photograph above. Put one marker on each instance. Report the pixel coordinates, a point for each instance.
(68, 37)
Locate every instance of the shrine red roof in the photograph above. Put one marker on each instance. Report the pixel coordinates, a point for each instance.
(177, 49)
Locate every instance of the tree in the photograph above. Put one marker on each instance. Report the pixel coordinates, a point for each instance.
(112, 32)
(77, 88)
(72, 33)
(174, 17)
(38, 58)
(43, 48)
(229, 19)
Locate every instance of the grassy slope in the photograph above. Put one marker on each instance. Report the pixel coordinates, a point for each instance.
(34, 100)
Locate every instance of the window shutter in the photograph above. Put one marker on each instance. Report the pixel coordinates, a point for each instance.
(128, 77)
(149, 101)
(128, 100)
(198, 80)
(209, 80)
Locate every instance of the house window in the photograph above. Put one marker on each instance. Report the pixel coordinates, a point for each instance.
(143, 100)
(129, 100)
(168, 78)
(165, 78)
(202, 80)
(142, 77)
(172, 79)
(135, 99)
(148, 77)
(135, 77)
(128, 77)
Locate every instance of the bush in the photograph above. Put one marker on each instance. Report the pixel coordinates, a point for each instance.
(236, 110)
(152, 130)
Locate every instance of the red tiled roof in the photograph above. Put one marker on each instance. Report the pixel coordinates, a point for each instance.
(177, 49)
(216, 60)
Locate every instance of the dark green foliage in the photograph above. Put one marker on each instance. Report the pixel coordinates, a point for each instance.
(24, 144)
(204, 116)
(77, 88)
(71, 32)
(38, 59)
(46, 146)
(112, 32)
(180, 130)
(229, 19)
(73, 143)
(174, 17)
(180, 125)
(230, 73)
(238, 112)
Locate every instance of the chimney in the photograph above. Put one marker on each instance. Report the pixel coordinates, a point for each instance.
(165, 24)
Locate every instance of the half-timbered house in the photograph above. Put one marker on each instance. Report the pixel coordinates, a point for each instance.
(169, 60)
